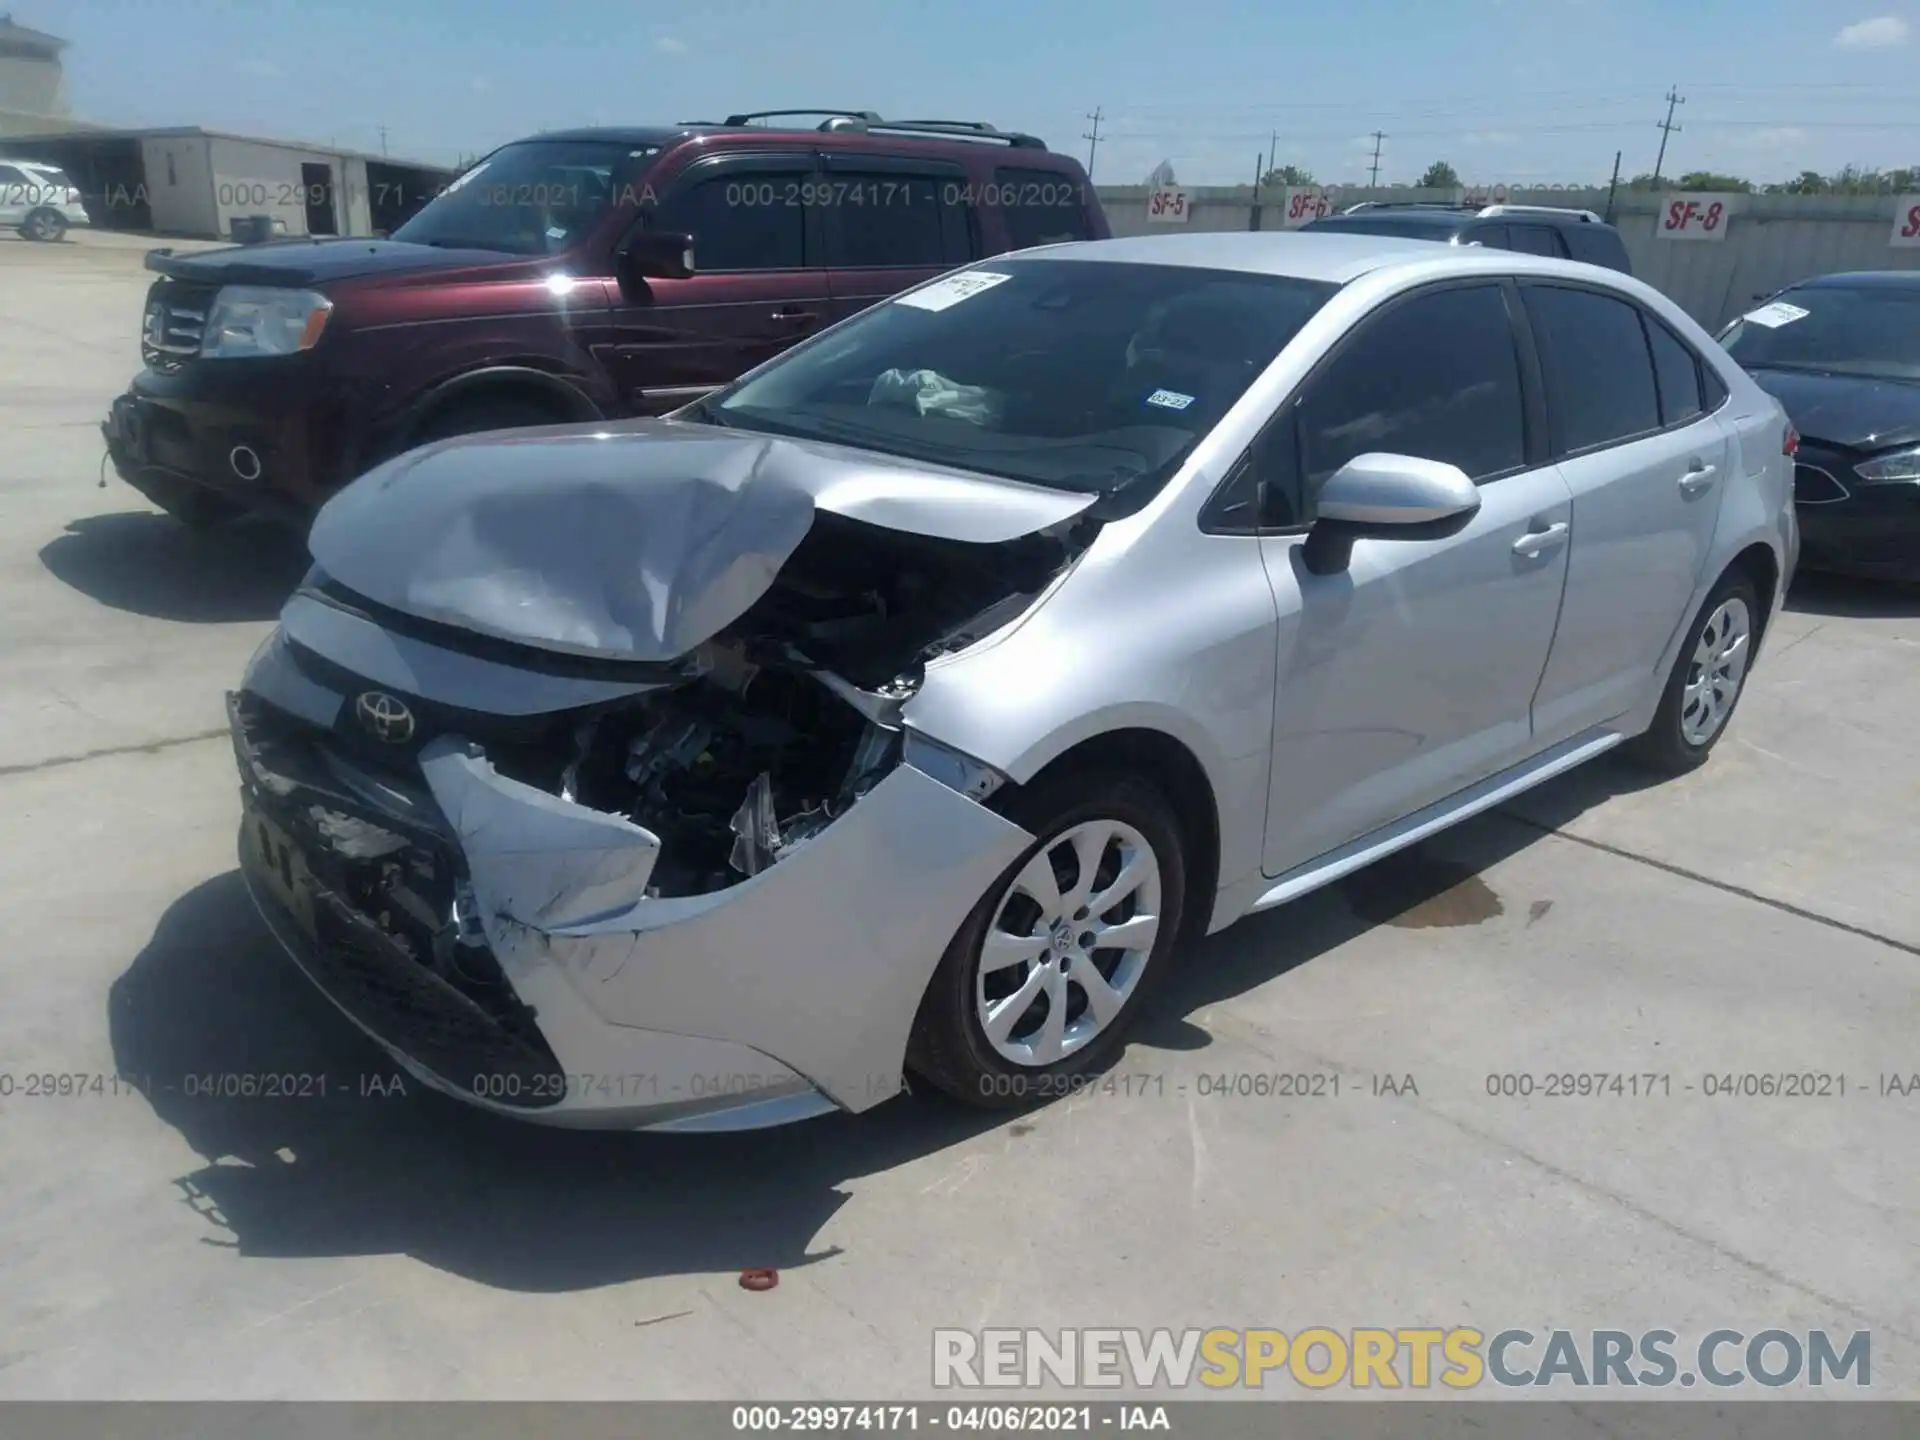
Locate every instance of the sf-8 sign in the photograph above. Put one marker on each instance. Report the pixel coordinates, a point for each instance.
(1694, 217)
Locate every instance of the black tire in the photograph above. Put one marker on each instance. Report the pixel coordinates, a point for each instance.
(1665, 746)
(44, 225)
(949, 1048)
(476, 416)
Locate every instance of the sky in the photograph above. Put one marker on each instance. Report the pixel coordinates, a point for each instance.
(1516, 92)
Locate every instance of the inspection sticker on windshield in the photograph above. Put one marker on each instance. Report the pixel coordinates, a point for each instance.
(1775, 315)
(943, 294)
(1169, 399)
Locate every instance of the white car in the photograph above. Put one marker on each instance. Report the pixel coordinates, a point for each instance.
(38, 199)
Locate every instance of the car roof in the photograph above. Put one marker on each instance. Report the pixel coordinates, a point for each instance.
(880, 138)
(1401, 214)
(1862, 280)
(1334, 256)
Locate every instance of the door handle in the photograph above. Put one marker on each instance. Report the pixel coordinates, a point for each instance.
(1537, 542)
(1697, 479)
(794, 312)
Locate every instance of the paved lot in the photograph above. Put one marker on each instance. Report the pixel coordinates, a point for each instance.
(1761, 916)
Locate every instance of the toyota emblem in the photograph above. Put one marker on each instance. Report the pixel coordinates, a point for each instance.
(385, 716)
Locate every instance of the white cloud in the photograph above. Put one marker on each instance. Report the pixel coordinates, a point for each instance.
(667, 45)
(1491, 137)
(482, 84)
(265, 69)
(1883, 32)
(1778, 137)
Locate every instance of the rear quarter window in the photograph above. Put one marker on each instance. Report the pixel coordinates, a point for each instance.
(1597, 245)
(1039, 207)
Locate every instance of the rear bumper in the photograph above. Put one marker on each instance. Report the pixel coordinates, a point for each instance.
(266, 435)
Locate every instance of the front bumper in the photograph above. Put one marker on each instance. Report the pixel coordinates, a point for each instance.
(1872, 531)
(563, 994)
(269, 435)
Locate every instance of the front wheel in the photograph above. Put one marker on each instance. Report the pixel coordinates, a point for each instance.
(1707, 680)
(45, 225)
(1049, 970)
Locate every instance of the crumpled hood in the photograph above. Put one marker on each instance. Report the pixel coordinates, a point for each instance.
(635, 541)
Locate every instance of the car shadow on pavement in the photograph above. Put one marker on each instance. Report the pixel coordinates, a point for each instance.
(1814, 593)
(358, 1162)
(150, 564)
(376, 1167)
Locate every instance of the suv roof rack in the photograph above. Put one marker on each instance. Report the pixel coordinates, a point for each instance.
(1405, 205)
(841, 120)
(1586, 217)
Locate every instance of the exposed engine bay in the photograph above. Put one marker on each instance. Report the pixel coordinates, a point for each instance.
(792, 713)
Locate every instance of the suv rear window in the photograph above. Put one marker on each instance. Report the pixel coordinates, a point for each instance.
(1598, 245)
(1042, 207)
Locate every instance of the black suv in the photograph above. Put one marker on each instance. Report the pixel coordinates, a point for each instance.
(1529, 229)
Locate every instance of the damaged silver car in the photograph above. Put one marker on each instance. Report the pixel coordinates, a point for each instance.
(903, 706)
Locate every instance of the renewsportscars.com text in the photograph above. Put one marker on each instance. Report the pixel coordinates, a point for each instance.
(1417, 1358)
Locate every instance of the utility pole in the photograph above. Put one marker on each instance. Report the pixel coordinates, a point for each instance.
(1667, 128)
(383, 139)
(1374, 182)
(1092, 137)
(1273, 145)
(1613, 185)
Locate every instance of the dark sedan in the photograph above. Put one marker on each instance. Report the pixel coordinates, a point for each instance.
(1842, 354)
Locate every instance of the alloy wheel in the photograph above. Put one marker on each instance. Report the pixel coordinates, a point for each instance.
(1070, 937)
(1719, 666)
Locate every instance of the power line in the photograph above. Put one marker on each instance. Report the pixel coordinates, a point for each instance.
(1667, 129)
(1092, 137)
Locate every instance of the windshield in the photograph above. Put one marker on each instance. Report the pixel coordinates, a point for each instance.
(1872, 332)
(48, 174)
(533, 198)
(1076, 375)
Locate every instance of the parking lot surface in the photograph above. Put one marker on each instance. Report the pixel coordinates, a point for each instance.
(1760, 917)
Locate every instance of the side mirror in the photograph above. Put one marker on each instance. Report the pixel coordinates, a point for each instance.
(1391, 497)
(648, 256)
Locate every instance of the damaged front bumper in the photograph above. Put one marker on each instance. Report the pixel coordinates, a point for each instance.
(500, 943)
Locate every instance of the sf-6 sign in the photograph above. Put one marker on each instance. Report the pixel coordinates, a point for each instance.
(1694, 217)
(1303, 204)
(1167, 206)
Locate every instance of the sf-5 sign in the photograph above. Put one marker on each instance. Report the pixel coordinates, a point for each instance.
(1694, 217)
(1167, 206)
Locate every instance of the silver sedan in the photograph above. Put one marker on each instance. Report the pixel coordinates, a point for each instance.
(910, 704)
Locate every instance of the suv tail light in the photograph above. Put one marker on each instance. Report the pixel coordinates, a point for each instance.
(1790, 443)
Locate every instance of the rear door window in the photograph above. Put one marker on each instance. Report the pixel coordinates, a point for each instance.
(1493, 237)
(1039, 207)
(1435, 376)
(1599, 371)
(1537, 240)
(886, 218)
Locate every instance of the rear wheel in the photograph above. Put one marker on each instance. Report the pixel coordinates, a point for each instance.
(1050, 969)
(45, 225)
(1707, 679)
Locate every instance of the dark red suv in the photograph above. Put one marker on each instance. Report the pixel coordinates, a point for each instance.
(578, 275)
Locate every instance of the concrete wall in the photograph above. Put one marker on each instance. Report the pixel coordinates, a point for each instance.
(1771, 240)
(179, 185)
(32, 87)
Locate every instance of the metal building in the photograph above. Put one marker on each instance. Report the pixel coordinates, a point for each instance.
(208, 184)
